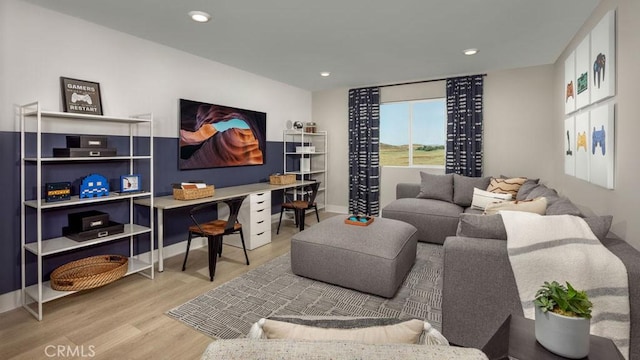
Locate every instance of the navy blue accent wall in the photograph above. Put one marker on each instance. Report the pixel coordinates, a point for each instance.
(166, 172)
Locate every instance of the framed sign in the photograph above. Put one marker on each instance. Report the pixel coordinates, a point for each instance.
(80, 96)
(130, 183)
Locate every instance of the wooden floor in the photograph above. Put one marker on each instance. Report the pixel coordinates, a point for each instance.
(125, 319)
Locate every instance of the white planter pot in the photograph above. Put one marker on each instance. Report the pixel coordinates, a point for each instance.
(563, 335)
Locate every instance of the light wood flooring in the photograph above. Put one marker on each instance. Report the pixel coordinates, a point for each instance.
(125, 319)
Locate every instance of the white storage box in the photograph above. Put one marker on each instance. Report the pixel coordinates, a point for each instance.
(305, 149)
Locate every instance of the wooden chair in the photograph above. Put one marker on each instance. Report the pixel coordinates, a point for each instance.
(214, 231)
(300, 207)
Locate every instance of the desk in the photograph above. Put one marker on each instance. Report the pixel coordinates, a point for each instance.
(168, 202)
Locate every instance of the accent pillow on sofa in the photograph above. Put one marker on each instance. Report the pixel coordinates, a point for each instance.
(526, 188)
(506, 186)
(537, 206)
(563, 206)
(463, 188)
(482, 198)
(363, 330)
(437, 187)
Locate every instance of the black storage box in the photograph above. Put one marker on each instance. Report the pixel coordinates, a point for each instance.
(83, 152)
(88, 220)
(86, 141)
(112, 228)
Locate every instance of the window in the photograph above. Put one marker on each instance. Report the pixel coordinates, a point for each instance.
(413, 133)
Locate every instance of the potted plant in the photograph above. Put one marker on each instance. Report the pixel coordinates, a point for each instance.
(563, 316)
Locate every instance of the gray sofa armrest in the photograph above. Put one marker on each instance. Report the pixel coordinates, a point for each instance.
(479, 290)
(407, 190)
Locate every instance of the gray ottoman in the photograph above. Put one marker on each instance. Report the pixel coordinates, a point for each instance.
(373, 259)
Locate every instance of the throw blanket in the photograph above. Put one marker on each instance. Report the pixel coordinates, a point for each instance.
(563, 248)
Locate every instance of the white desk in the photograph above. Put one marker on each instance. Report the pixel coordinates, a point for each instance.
(168, 202)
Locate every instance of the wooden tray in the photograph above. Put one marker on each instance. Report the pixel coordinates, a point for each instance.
(357, 222)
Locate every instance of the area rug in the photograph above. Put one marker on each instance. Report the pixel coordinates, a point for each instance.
(229, 310)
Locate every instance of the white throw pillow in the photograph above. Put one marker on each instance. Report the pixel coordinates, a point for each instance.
(537, 206)
(482, 198)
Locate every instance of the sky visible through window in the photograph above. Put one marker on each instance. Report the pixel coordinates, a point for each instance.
(428, 123)
(413, 133)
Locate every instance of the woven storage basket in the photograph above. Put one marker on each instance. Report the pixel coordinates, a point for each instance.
(89, 273)
(282, 179)
(191, 194)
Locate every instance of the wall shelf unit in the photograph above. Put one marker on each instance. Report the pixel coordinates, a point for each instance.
(305, 155)
(34, 164)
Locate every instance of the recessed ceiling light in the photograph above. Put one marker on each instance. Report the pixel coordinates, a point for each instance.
(325, 73)
(470, 51)
(199, 16)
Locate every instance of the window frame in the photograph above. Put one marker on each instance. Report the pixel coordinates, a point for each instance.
(412, 102)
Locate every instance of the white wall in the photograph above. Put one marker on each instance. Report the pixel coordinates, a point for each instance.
(622, 202)
(135, 75)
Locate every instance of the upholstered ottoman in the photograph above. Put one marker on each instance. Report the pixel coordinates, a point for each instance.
(373, 259)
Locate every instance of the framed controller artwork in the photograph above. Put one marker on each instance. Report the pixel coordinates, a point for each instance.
(81, 96)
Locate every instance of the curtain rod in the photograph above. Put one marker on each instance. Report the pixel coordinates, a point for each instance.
(422, 81)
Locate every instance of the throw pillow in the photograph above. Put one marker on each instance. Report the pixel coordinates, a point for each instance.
(463, 188)
(482, 198)
(437, 187)
(481, 226)
(542, 191)
(526, 188)
(563, 206)
(364, 330)
(506, 186)
(537, 206)
(600, 225)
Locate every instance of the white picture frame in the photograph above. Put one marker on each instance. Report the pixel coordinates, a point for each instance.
(570, 83)
(603, 58)
(602, 146)
(583, 74)
(581, 152)
(570, 146)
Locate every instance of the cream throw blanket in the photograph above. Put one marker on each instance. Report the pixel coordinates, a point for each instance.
(563, 248)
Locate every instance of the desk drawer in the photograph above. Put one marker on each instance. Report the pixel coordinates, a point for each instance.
(260, 239)
(260, 226)
(259, 198)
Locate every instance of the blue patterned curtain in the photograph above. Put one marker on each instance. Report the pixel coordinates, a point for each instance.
(364, 163)
(464, 125)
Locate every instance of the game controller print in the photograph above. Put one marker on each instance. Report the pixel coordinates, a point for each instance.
(75, 97)
(581, 141)
(598, 139)
(598, 69)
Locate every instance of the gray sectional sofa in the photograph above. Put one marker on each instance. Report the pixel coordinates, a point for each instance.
(479, 288)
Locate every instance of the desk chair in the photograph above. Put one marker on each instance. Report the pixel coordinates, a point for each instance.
(214, 231)
(300, 207)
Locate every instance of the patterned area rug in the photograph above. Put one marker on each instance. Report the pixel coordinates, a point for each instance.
(229, 310)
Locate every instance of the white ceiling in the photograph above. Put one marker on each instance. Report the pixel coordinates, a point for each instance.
(361, 42)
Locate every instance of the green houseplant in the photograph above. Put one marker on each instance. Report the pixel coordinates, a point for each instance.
(563, 316)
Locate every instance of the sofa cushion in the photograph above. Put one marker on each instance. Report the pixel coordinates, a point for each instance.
(463, 188)
(599, 225)
(482, 198)
(506, 186)
(563, 206)
(424, 207)
(482, 226)
(537, 206)
(543, 191)
(526, 188)
(436, 187)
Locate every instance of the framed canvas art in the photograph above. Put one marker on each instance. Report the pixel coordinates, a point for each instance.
(603, 58)
(601, 146)
(570, 83)
(581, 152)
(583, 84)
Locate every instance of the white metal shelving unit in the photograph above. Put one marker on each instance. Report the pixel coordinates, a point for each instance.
(299, 147)
(32, 118)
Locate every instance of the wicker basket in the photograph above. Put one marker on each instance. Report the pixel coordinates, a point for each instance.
(282, 179)
(191, 194)
(89, 273)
